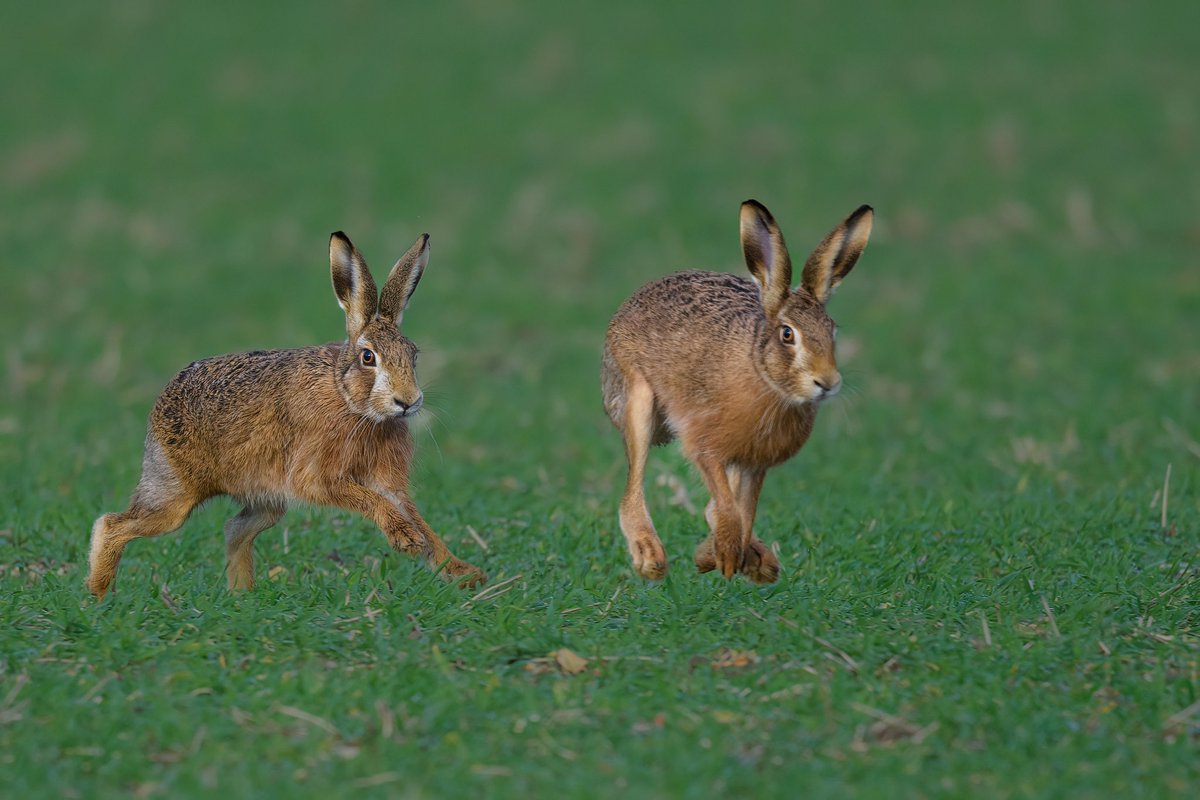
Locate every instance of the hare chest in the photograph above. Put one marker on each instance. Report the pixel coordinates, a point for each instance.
(364, 452)
(755, 436)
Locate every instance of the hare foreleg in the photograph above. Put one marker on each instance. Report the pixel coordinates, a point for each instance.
(404, 528)
(437, 554)
(725, 516)
(759, 564)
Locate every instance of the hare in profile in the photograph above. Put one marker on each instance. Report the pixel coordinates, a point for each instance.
(325, 425)
(736, 370)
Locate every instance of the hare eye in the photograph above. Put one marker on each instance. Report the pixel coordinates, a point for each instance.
(787, 335)
(367, 357)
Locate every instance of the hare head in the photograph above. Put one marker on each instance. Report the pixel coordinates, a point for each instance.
(795, 348)
(376, 372)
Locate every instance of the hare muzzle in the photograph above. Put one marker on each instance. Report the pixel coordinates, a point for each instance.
(826, 386)
(408, 408)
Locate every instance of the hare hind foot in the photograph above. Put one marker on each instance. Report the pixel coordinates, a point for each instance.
(645, 548)
(649, 557)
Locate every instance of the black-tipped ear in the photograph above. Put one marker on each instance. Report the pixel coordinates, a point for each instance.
(836, 255)
(352, 283)
(766, 256)
(403, 279)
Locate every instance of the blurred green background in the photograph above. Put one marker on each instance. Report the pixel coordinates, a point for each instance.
(1021, 341)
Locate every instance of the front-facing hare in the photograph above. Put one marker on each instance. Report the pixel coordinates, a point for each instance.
(733, 368)
(325, 425)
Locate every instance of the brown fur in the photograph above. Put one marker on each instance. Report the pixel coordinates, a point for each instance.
(314, 425)
(702, 356)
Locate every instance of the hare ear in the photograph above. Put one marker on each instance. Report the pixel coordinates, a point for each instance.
(403, 279)
(352, 283)
(766, 256)
(835, 256)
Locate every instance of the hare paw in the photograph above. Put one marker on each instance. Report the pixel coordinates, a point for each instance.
(727, 555)
(760, 564)
(709, 556)
(463, 573)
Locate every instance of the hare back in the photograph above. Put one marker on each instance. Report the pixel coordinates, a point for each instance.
(692, 333)
(272, 423)
(692, 298)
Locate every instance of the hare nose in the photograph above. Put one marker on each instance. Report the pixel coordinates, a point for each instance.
(829, 384)
(407, 408)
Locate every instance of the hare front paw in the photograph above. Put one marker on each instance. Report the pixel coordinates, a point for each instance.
(760, 564)
(710, 556)
(463, 573)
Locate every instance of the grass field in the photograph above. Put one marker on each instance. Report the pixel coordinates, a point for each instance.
(979, 595)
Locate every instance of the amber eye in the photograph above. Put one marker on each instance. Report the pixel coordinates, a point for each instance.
(366, 357)
(787, 335)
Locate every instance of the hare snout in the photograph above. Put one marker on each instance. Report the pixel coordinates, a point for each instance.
(408, 408)
(826, 386)
(395, 396)
(390, 406)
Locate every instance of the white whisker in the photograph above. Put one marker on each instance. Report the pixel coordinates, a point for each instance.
(429, 429)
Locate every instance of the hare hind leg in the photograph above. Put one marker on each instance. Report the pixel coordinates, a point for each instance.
(160, 504)
(645, 548)
(112, 532)
(240, 532)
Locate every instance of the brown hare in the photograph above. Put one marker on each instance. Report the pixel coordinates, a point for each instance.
(325, 425)
(735, 369)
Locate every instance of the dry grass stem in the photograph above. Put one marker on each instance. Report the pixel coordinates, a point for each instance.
(478, 539)
(1166, 491)
(312, 719)
(1050, 617)
(493, 591)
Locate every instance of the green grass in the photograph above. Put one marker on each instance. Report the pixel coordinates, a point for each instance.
(1021, 344)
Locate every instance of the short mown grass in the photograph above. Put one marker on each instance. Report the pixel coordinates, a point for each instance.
(989, 546)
